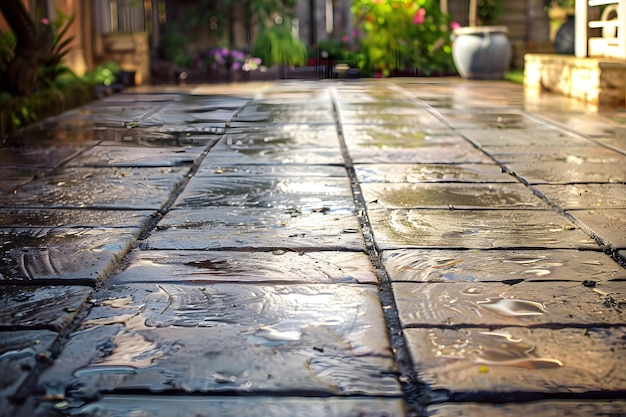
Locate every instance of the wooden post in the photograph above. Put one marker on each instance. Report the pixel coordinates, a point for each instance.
(621, 29)
(582, 35)
(473, 11)
(443, 6)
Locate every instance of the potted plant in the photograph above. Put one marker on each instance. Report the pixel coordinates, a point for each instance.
(482, 50)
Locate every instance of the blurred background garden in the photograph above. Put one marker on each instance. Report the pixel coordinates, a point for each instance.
(91, 48)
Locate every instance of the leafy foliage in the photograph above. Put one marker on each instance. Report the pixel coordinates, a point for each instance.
(277, 46)
(53, 68)
(403, 35)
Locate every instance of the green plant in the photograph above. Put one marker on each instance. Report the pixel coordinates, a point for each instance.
(53, 69)
(403, 35)
(105, 74)
(277, 46)
(172, 48)
(489, 11)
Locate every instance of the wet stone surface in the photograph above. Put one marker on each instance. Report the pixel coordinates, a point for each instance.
(20, 352)
(311, 226)
(233, 169)
(586, 196)
(507, 266)
(608, 225)
(275, 266)
(50, 307)
(266, 192)
(25, 217)
(112, 154)
(558, 172)
(475, 229)
(513, 363)
(496, 305)
(498, 140)
(64, 255)
(120, 188)
(548, 408)
(260, 406)
(465, 196)
(427, 173)
(315, 339)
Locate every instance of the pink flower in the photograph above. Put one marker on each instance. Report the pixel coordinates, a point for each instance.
(45, 20)
(418, 19)
(454, 25)
(346, 39)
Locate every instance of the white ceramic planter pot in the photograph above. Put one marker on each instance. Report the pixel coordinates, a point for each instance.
(482, 52)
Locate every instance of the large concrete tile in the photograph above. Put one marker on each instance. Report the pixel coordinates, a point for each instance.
(476, 229)
(61, 255)
(494, 305)
(578, 153)
(559, 172)
(212, 167)
(462, 196)
(546, 408)
(225, 406)
(282, 137)
(507, 266)
(20, 353)
(501, 119)
(12, 178)
(276, 156)
(514, 363)
(607, 225)
(286, 111)
(427, 173)
(266, 192)
(33, 307)
(278, 266)
(319, 226)
(438, 154)
(26, 217)
(585, 196)
(313, 340)
(119, 188)
(400, 136)
(109, 154)
(527, 138)
(417, 117)
(37, 157)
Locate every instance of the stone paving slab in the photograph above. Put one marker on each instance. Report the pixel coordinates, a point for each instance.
(586, 196)
(211, 167)
(528, 138)
(415, 117)
(461, 196)
(513, 363)
(608, 225)
(275, 156)
(318, 340)
(120, 188)
(427, 173)
(397, 136)
(266, 192)
(496, 305)
(277, 266)
(548, 408)
(20, 351)
(313, 111)
(313, 226)
(12, 178)
(113, 154)
(224, 406)
(510, 266)
(502, 119)
(449, 154)
(558, 172)
(35, 158)
(283, 136)
(476, 229)
(589, 153)
(27, 217)
(49, 307)
(63, 255)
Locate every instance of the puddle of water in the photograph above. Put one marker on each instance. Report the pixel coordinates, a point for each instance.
(502, 349)
(101, 370)
(268, 336)
(512, 307)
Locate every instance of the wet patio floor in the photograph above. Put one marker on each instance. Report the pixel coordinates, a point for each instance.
(398, 247)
